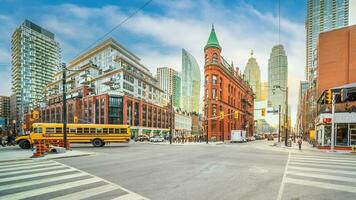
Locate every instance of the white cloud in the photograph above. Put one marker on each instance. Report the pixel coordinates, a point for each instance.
(186, 24)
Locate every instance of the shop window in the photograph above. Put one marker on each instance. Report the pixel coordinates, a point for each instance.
(342, 135)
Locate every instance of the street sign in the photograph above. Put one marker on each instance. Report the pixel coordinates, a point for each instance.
(35, 114)
(272, 111)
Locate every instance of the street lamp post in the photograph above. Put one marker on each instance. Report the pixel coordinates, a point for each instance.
(286, 114)
(64, 108)
(279, 122)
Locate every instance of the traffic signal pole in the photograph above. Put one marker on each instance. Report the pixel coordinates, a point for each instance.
(279, 122)
(332, 146)
(286, 120)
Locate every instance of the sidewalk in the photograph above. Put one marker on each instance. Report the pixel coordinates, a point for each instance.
(15, 154)
(306, 147)
(185, 143)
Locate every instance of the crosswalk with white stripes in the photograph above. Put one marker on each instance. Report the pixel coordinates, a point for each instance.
(48, 179)
(332, 172)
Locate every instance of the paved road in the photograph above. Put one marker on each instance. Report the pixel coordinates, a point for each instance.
(188, 172)
(155, 171)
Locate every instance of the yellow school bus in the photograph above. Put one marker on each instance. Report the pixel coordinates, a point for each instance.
(97, 134)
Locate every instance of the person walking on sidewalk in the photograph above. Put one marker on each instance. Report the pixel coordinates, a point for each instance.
(300, 141)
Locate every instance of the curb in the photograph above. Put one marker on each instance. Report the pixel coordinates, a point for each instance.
(44, 158)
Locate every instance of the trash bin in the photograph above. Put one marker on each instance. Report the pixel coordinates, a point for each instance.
(289, 143)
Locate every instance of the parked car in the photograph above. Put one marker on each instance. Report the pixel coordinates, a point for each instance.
(142, 138)
(251, 138)
(258, 137)
(157, 138)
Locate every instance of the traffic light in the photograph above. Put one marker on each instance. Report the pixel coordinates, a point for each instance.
(263, 112)
(75, 120)
(236, 114)
(344, 95)
(35, 114)
(328, 96)
(221, 115)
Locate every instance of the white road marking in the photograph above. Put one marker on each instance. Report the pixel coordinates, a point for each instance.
(51, 188)
(280, 192)
(25, 164)
(130, 196)
(308, 169)
(35, 181)
(88, 193)
(35, 175)
(324, 162)
(31, 170)
(26, 168)
(322, 165)
(16, 162)
(344, 188)
(322, 176)
(325, 159)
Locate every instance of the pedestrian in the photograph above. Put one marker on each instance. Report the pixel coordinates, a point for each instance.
(300, 141)
(2, 144)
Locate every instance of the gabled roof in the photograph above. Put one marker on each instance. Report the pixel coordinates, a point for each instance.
(213, 40)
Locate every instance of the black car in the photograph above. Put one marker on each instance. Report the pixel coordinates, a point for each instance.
(142, 138)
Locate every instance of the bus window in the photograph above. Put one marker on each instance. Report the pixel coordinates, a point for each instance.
(92, 130)
(111, 130)
(59, 130)
(37, 130)
(117, 130)
(105, 130)
(123, 131)
(72, 130)
(99, 130)
(86, 130)
(50, 130)
(79, 130)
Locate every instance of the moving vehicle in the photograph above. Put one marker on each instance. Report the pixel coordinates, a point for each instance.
(238, 136)
(97, 134)
(270, 137)
(142, 138)
(157, 138)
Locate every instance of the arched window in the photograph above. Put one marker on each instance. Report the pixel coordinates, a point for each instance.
(206, 58)
(215, 58)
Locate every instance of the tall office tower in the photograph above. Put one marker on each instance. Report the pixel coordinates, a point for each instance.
(190, 81)
(277, 76)
(324, 15)
(252, 75)
(35, 56)
(168, 80)
(264, 91)
(4, 111)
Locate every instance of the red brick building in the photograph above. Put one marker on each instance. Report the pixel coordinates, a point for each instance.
(336, 58)
(108, 109)
(225, 90)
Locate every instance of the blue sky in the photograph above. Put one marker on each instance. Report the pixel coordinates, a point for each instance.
(159, 32)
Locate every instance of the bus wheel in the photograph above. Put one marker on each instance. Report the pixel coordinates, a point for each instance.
(103, 144)
(24, 144)
(97, 143)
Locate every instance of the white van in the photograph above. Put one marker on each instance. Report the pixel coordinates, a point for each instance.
(238, 136)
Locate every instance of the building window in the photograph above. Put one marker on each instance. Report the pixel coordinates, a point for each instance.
(206, 58)
(342, 134)
(214, 79)
(214, 93)
(215, 58)
(214, 110)
(206, 79)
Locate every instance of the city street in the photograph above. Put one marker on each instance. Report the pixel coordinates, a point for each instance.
(253, 170)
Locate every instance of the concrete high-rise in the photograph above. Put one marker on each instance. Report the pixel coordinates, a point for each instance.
(277, 76)
(35, 56)
(190, 81)
(169, 82)
(264, 91)
(324, 15)
(252, 75)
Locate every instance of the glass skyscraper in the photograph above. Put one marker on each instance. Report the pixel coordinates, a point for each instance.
(277, 76)
(190, 82)
(35, 56)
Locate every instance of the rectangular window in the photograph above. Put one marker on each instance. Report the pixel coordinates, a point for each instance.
(105, 130)
(72, 130)
(214, 79)
(50, 130)
(79, 130)
(123, 131)
(59, 130)
(99, 130)
(92, 130)
(86, 130)
(111, 130)
(117, 130)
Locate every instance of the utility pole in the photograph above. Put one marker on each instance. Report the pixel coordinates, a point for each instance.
(172, 115)
(286, 122)
(332, 146)
(64, 108)
(207, 121)
(279, 122)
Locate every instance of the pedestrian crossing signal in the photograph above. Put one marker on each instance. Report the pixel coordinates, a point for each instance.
(236, 114)
(221, 115)
(263, 112)
(328, 96)
(343, 95)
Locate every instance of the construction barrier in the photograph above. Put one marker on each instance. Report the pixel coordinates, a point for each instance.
(42, 146)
